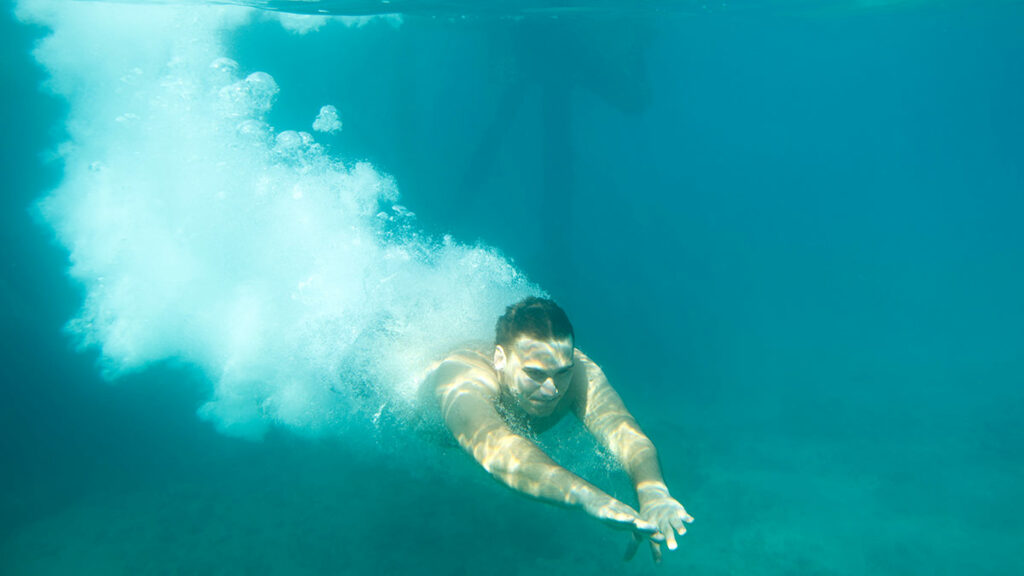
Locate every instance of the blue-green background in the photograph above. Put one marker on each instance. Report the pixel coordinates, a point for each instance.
(792, 238)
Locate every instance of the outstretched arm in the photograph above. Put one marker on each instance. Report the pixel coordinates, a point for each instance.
(467, 404)
(604, 414)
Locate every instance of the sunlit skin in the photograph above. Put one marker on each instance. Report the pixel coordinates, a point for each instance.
(538, 382)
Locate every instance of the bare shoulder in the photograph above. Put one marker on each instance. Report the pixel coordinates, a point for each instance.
(588, 367)
(464, 370)
(593, 395)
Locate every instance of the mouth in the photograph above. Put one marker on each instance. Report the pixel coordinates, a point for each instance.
(542, 406)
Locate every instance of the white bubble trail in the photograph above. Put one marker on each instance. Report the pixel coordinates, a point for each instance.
(203, 235)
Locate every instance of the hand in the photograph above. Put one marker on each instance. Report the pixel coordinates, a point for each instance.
(618, 515)
(662, 510)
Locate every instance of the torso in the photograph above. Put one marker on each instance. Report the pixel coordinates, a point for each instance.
(475, 362)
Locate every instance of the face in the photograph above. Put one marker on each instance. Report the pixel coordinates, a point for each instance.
(537, 373)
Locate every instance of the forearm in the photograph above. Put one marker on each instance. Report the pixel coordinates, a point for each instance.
(522, 466)
(639, 459)
(641, 463)
(644, 469)
(634, 451)
(604, 414)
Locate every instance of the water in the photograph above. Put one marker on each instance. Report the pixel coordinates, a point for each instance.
(789, 233)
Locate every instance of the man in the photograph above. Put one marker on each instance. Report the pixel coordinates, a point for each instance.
(534, 377)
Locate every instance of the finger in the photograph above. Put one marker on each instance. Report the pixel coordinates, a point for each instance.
(633, 546)
(616, 517)
(670, 537)
(656, 552)
(678, 525)
(620, 517)
(623, 521)
(645, 526)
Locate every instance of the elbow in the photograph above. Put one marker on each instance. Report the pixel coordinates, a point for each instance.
(641, 455)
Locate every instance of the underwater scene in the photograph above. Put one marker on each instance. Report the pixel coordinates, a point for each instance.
(255, 256)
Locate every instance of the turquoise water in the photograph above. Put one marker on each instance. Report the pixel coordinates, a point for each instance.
(789, 235)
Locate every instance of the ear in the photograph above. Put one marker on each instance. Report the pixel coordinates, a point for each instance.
(499, 358)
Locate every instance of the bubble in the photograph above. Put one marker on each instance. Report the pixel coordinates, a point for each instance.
(223, 70)
(297, 146)
(254, 130)
(327, 120)
(263, 89)
(225, 65)
(288, 141)
(253, 96)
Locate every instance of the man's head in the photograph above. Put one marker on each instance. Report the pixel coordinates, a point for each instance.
(533, 354)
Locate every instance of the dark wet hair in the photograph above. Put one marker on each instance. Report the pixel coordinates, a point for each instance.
(538, 318)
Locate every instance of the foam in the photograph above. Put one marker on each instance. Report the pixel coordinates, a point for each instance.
(305, 23)
(201, 234)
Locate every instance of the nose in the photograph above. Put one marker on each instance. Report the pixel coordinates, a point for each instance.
(547, 388)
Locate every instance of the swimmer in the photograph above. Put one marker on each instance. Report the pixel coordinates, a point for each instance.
(493, 399)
